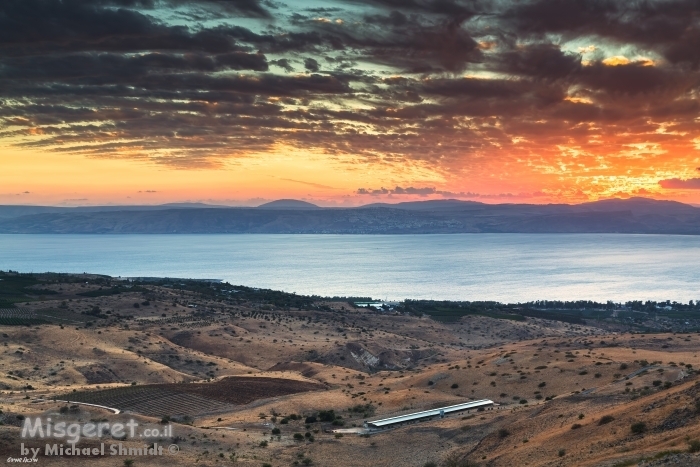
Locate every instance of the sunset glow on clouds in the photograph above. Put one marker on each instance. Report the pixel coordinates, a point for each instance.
(347, 102)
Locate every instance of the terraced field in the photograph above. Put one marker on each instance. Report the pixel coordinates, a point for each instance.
(193, 400)
(19, 317)
(150, 400)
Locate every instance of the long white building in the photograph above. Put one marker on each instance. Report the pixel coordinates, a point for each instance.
(428, 414)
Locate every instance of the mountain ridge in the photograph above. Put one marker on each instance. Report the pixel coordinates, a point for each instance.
(636, 215)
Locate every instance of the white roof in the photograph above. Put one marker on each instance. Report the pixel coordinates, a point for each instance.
(430, 413)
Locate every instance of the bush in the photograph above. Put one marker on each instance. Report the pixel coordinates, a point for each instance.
(623, 366)
(454, 386)
(542, 384)
(562, 452)
(605, 419)
(430, 464)
(576, 426)
(326, 415)
(693, 445)
(310, 419)
(263, 444)
(638, 428)
(503, 433)
(523, 401)
(298, 437)
(657, 382)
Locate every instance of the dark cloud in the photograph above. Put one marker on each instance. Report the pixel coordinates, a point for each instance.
(541, 60)
(453, 8)
(678, 184)
(249, 8)
(311, 65)
(667, 26)
(283, 63)
(445, 82)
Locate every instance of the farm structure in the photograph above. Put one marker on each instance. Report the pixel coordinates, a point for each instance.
(429, 414)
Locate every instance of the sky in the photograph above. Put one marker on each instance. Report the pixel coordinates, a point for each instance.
(344, 103)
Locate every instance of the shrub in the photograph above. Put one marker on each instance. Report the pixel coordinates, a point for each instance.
(523, 401)
(263, 444)
(276, 431)
(542, 384)
(638, 427)
(584, 372)
(503, 433)
(693, 445)
(298, 436)
(657, 382)
(430, 464)
(581, 416)
(454, 386)
(338, 435)
(576, 426)
(623, 366)
(562, 452)
(605, 419)
(310, 419)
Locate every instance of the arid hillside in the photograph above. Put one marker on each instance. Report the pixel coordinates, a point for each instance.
(257, 378)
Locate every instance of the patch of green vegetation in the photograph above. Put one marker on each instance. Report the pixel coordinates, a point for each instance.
(14, 288)
(21, 321)
(447, 311)
(111, 291)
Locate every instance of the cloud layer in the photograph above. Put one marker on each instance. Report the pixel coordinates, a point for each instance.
(453, 85)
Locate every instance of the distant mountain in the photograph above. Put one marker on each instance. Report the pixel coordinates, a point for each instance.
(288, 204)
(8, 211)
(429, 205)
(637, 215)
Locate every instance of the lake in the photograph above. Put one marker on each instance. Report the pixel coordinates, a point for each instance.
(502, 267)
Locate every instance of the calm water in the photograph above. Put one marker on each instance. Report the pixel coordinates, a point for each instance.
(504, 267)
